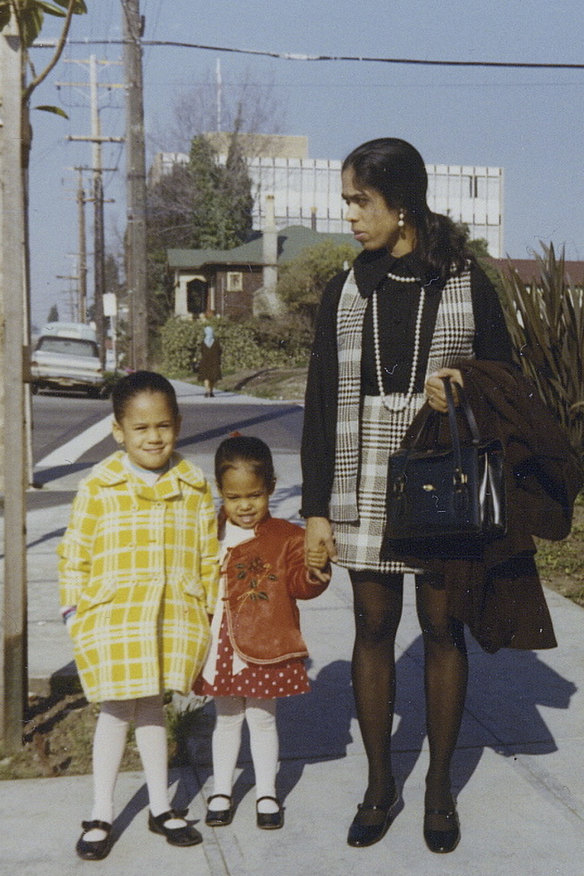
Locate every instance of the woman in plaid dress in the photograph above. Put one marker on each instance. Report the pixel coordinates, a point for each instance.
(138, 576)
(413, 304)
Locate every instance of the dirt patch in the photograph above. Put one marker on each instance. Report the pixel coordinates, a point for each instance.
(286, 384)
(561, 563)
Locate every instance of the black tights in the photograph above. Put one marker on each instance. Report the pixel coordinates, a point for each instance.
(378, 607)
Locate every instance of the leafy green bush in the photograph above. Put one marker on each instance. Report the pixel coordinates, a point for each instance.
(179, 339)
(546, 322)
(302, 280)
(247, 345)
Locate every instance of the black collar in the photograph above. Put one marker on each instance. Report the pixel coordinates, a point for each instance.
(371, 268)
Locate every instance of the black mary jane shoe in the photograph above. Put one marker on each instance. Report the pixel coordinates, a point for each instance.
(219, 817)
(186, 835)
(442, 841)
(270, 820)
(361, 834)
(94, 850)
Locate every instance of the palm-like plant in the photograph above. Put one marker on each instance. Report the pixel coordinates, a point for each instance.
(546, 323)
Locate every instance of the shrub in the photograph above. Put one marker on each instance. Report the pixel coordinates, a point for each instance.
(546, 323)
(179, 339)
(302, 280)
(247, 345)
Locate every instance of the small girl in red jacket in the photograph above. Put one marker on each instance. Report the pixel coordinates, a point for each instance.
(257, 651)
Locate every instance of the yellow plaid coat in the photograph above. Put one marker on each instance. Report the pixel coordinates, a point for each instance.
(141, 565)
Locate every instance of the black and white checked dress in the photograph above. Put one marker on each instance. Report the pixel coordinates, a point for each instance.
(367, 433)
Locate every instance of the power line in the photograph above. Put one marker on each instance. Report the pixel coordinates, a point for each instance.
(296, 56)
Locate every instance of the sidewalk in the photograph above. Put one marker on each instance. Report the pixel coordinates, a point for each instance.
(517, 772)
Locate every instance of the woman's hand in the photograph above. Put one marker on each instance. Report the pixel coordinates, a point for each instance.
(435, 392)
(319, 547)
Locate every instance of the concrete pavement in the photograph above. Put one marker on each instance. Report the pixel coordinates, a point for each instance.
(517, 771)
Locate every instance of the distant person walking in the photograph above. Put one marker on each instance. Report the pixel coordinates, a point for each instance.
(138, 578)
(210, 361)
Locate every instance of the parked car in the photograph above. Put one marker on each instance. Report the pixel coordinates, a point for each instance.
(70, 330)
(61, 362)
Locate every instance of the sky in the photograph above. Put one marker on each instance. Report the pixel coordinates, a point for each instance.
(528, 121)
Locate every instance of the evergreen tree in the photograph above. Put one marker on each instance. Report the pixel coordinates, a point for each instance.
(53, 314)
(201, 205)
(237, 202)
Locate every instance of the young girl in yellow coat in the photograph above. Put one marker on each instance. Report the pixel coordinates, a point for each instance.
(138, 579)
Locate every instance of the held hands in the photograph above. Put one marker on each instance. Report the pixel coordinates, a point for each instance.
(434, 388)
(319, 548)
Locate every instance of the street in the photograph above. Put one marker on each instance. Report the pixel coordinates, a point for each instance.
(72, 433)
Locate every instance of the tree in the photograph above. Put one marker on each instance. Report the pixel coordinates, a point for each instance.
(53, 314)
(302, 280)
(202, 205)
(247, 106)
(236, 194)
(20, 23)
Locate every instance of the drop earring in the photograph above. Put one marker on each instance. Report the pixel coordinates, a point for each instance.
(401, 220)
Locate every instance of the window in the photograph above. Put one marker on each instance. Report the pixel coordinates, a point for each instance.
(234, 281)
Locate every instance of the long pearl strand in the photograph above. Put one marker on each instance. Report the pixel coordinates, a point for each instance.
(401, 407)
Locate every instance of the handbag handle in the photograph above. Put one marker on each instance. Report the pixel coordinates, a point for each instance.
(466, 409)
(458, 475)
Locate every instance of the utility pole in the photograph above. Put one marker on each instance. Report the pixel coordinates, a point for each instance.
(82, 250)
(98, 227)
(136, 183)
(97, 139)
(13, 626)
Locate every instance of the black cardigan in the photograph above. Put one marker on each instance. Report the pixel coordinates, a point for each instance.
(397, 313)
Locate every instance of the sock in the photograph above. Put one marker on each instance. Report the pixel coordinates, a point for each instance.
(109, 742)
(225, 745)
(263, 737)
(152, 745)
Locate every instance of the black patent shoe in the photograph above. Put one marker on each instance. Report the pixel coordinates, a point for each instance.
(363, 834)
(270, 820)
(442, 841)
(98, 849)
(219, 817)
(186, 835)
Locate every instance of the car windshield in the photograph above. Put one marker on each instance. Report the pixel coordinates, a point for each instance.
(68, 346)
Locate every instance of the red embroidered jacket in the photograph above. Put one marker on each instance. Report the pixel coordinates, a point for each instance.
(264, 578)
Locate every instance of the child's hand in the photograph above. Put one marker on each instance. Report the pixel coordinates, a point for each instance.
(319, 547)
(317, 557)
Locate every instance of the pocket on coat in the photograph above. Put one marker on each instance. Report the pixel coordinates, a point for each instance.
(192, 587)
(97, 594)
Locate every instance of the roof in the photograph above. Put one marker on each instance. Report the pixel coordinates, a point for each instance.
(291, 242)
(529, 269)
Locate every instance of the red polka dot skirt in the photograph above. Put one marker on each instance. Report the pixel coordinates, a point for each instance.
(259, 681)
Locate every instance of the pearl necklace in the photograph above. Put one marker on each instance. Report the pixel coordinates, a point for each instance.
(403, 279)
(401, 407)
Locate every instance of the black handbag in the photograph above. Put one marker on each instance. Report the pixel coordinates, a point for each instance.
(445, 502)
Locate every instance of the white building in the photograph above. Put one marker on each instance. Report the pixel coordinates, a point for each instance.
(307, 191)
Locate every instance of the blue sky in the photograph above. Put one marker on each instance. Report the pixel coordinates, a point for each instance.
(530, 122)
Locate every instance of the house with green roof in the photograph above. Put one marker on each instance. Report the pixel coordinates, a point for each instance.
(240, 281)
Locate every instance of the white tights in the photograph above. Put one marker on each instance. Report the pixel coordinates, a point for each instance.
(263, 737)
(108, 747)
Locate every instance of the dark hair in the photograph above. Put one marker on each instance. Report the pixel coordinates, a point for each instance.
(141, 381)
(245, 448)
(397, 171)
